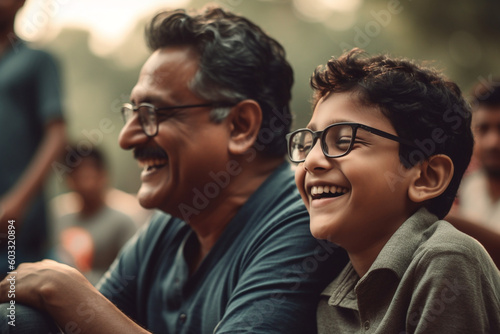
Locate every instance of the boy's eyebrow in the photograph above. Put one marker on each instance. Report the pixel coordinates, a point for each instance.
(313, 127)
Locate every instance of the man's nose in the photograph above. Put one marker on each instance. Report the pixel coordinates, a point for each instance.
(132, 134)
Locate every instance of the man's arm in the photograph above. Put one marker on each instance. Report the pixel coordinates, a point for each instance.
(66, 295)
(13, 204)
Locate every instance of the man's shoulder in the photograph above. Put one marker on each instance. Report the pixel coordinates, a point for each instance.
(278, 196)
(34, 54)
(161, 223)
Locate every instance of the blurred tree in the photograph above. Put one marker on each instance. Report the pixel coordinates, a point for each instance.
(461, 37)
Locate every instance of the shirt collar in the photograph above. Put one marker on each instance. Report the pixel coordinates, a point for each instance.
(396, 256)
(398, 252)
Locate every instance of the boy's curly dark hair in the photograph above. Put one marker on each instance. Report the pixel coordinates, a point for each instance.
(421, 104)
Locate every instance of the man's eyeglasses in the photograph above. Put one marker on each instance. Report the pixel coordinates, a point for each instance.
(148, 114)
(336, 140)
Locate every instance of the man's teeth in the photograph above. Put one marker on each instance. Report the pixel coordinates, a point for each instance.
(148, 164)
(318, 190)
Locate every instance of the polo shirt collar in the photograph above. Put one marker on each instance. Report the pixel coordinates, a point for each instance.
(395, 256)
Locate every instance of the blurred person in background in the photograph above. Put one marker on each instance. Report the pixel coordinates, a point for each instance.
(32, 136)
(232, 251)
(478, 209)
(90, 238)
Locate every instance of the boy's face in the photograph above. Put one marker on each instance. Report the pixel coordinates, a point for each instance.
(374, 200)
(88, 180)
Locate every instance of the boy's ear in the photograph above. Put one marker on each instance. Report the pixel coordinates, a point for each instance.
(433, 177)
(244, 121)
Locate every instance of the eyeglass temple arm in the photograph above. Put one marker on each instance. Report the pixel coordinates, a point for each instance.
(388, 135)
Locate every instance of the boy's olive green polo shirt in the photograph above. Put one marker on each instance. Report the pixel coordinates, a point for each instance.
(428, 278)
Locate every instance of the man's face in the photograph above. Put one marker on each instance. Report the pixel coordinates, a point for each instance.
(178, 161)
(368, 206)
(486, 129)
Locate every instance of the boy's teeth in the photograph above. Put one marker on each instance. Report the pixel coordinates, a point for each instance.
(318, 190)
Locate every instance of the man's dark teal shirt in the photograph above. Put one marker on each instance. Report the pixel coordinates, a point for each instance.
(263, 275)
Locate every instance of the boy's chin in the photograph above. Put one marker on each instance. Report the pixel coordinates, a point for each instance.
(321, 229)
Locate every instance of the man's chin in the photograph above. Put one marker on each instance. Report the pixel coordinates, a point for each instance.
(147, 199)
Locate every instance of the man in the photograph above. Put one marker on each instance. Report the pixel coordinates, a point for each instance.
(207, 121)
(478, 209)
(480, 192)
(32, 136)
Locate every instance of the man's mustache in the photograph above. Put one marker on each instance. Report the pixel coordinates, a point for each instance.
(149, 152)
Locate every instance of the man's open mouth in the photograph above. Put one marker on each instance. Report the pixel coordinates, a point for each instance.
(152, 164)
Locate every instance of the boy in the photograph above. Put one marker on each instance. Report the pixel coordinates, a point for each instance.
(393, 141)
(90, 238)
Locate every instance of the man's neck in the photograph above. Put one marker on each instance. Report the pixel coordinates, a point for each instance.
(494, 188)
(212, 221)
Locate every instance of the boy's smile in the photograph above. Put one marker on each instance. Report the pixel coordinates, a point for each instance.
(350, 199)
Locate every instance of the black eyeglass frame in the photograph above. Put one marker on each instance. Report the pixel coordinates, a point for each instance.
(130, 106)
(354, 126)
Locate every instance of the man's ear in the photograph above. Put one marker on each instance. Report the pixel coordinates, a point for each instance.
(432, 178)
(245, 120)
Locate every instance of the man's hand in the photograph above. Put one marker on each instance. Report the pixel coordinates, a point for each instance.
(44, 285)
(67, 296)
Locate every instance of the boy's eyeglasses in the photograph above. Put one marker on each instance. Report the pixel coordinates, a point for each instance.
(336, 140)
(148, 114)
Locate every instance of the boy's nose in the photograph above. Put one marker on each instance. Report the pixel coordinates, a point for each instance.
(315, 159)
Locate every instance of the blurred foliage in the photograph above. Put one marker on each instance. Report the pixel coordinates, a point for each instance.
(460, 37)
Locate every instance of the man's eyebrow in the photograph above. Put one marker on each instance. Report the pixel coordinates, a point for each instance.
(155, 100)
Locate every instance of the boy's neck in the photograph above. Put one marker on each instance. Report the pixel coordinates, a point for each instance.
(363, 257)
(363, 260)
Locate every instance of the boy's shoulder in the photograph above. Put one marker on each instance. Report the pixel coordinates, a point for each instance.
(449, 251)
(424, 240)
(443, 238)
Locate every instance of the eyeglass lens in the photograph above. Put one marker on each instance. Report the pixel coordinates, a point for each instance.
(147, 118)
(336, 141)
